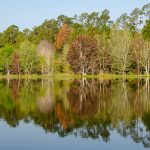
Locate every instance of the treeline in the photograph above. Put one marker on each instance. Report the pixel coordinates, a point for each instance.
(85, 44)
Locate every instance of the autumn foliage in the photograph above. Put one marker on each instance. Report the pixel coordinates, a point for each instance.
(83, 97)
(83, 55)
(85, 44)
(62, 36)
(15, 63)
(62, 116)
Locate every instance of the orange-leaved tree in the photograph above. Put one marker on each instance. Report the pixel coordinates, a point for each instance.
(62, 36)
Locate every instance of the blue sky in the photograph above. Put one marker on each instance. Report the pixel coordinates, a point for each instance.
(29, 13)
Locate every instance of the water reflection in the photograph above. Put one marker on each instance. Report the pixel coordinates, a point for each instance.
(89, 108)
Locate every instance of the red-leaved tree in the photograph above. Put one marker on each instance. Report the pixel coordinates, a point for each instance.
(15, 64)
(83, 56)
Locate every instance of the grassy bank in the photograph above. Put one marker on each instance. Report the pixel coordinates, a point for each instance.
(63, 76)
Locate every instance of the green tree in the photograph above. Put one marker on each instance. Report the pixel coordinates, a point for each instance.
(123, 22)
(1, 40)
(46, 31)
(5, 58)
(62, 19)
(146, 10)
(104, 52)
(10, 35)
(135, 20)
(120, 51)
(26, 32)
(146, 30)
(83, 19)
(105, 22)
(28, 57)
(93, 19)
(61, 64)
(145, 57)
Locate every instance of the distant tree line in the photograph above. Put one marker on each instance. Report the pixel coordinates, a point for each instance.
(90, 43)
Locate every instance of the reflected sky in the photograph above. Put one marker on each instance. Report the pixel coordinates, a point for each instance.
(29, 136)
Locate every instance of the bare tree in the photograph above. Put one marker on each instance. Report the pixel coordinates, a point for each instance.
(120, 50)
(145, 57)
(83, 56)
(136, 45)
(104, 53)
(45, 52)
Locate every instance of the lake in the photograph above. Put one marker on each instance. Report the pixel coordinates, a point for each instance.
(46, 114)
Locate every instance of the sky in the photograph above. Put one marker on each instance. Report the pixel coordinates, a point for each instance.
(30, 13)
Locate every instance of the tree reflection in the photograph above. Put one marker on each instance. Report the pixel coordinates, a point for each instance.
(89, 108)
(45, 102)
(83, 97)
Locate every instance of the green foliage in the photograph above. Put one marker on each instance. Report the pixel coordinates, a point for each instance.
(1, 40)
(63, 65)
(122, 50)
(146, 30)
(28, 57)
(46, 31)
(6, 57)
(10, 35)
(146, 11)
(135, 20)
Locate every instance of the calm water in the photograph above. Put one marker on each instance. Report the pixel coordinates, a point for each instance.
(75, 114)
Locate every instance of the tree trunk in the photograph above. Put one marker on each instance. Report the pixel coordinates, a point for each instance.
(147, 70)
(42, 69)
(138, 68)
(83, 71)
(8, 73)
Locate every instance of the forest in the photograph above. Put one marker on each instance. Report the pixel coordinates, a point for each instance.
(85, 44)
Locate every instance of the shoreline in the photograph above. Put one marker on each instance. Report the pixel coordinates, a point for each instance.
(69, 76)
